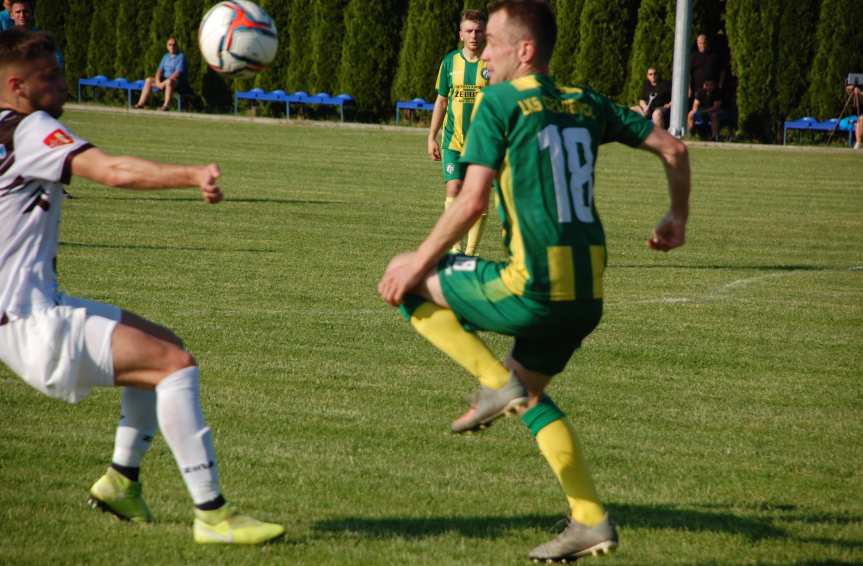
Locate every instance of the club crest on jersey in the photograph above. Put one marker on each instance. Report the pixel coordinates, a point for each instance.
(57, 138)
(450, 168)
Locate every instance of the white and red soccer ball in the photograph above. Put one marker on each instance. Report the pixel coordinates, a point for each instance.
(237, 38)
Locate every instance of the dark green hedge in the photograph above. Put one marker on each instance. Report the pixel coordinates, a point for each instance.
(568, 14)
(790, 57)
(839, 51)
(605, 36)
(430, 31)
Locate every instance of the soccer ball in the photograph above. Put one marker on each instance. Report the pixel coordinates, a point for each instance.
(237, 38)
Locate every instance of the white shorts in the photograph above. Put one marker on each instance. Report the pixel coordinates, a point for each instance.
(63, 351)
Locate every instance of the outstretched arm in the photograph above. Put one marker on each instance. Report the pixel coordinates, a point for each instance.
(135, 173)
(670, 232)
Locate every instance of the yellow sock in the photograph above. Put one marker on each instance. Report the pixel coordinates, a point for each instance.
(474, 235)
(440, 327)
(558, 443)
(456, 247)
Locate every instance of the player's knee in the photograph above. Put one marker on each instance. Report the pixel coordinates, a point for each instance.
(175, 359)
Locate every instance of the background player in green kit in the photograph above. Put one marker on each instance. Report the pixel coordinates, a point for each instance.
(537, 142)
(460, 77)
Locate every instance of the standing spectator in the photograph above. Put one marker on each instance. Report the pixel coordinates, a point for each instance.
(23, 16)
(21, 12)
(6, 16)
(171, 76)
(654, 102)
(707, 104)
(704, 64)
(461, 76)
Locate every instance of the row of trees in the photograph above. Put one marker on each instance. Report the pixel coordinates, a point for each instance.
(789, 56)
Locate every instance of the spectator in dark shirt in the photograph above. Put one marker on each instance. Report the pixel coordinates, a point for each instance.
(654, 102)
(704, 64)
(706, 105)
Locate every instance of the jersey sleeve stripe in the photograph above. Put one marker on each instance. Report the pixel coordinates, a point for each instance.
(66, 176)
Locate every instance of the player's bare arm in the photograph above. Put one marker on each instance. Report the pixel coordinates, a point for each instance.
(670, 232)
(438, 114)
(406, 271)
(135, 173)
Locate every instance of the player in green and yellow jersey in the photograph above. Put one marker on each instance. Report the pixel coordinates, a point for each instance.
(461, 76)
(536, 142)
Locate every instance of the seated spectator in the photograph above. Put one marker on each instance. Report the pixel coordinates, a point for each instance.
(171, 76)
(706, 106)
(654, 102)
(6, 16)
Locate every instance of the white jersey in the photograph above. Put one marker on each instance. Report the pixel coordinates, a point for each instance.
(35, 161)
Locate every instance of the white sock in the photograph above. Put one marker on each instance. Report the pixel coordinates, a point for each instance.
(178, 406)
(137, 426)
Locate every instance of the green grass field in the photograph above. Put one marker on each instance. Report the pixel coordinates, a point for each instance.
(719, 401)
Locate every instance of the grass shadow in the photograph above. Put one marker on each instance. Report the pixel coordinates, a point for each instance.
(198, 199)
(728, 267)
(421, 527)
(163, 248)
(640, 516)
(707, 518)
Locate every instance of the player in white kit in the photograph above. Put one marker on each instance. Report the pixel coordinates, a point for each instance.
(63, 346)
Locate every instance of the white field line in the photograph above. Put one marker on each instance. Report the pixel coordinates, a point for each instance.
(722, 292)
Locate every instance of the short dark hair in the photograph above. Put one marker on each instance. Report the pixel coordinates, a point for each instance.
(473, 16)
(537, 18)
(20, 45)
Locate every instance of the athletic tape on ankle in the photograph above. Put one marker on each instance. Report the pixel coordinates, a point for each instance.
(541, 415)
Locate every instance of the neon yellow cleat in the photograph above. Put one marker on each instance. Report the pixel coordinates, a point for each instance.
(117, 494)
(227, 526)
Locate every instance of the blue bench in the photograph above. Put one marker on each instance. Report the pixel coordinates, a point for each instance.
(827, 126)
(299, 97)
(415, 104)
(121, 83)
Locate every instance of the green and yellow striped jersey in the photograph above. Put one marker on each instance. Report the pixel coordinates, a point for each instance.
(460, 81)
(543, 141)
